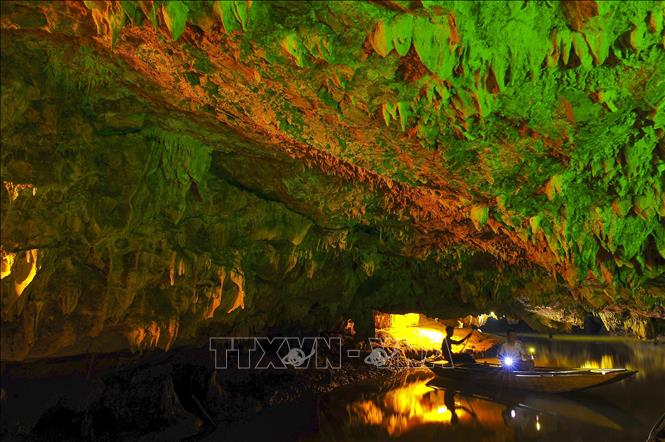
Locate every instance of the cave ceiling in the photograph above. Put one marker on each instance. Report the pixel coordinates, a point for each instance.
(174, 167)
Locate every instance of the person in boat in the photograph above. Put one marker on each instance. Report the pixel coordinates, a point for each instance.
(512, 353)
(447, 345)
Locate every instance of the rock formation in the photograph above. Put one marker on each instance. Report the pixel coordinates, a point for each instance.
(180, 169)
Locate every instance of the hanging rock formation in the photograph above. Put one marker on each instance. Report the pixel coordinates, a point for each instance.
(176, 170)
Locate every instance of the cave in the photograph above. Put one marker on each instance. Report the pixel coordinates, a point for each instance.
(265, 220)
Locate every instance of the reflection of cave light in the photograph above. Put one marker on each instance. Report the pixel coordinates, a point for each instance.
(404, 408)
(512, 413)
(414, 404)
(606, 361)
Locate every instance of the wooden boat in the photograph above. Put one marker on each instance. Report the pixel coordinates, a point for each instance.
(657, 433)
(546, 380)
(584, 409)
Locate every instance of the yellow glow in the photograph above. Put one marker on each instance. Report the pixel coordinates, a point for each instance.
(404, 408)
(404, 332)
(31, 258)
(406, 320)
(537, 426)
(417, 337)
(606, 361)
(532, 350)
(413, 404)
(479, 320)
(14, 189)
(7, 263)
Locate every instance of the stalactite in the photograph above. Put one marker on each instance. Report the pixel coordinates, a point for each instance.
(239, 280)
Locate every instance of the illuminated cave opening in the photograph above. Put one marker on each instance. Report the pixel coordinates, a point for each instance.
(418, 333)
(176, 171)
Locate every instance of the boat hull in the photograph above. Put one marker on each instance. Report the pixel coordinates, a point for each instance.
(540, 380)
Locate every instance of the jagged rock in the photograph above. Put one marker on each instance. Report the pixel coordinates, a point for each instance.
(173, 174)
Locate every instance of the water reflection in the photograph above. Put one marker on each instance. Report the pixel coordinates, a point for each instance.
(422, 401)
(404, 407)
(415, 406)
(583, 352)
(422, 407)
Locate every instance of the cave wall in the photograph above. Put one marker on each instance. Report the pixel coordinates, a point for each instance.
(140, 228)
(176, 170)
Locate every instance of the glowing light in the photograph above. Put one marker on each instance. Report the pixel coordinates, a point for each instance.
(532, 350)
(7, 263)
(606, 361)
(508, 361)
(417, 337)
(537, 426)
(31, 258)
(404, 331)
(405, 328)
(405, 407)
(512, 414)
(406, 320)
(14, 189)
(432, 335)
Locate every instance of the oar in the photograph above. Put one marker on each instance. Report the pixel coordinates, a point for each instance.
(450, 352)
(473, 327)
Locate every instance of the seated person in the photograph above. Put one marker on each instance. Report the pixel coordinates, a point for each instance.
(447, 344)
(513, 351)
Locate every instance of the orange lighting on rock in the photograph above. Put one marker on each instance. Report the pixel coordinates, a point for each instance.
(405, 407)
(406, 320)
(31, 258)
(404, 329)
(417, 332)
(7, 263)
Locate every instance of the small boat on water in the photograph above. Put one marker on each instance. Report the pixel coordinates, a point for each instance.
(546, 380)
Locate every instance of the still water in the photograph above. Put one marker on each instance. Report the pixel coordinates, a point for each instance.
(410, 406)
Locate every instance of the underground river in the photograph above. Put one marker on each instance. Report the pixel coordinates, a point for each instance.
(411, 406)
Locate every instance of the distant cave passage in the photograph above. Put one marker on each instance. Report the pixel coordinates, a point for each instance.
(418, 332)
